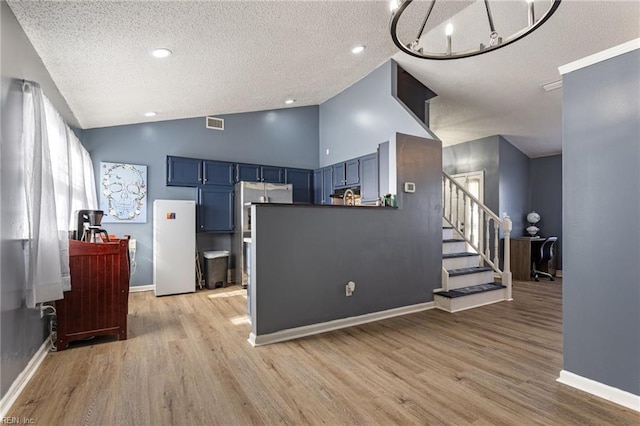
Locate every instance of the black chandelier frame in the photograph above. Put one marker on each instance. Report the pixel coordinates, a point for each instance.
(411, 48)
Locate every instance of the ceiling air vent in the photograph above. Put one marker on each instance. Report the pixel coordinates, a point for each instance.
(215, 123)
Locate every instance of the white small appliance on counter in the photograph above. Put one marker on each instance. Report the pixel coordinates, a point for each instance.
(174, 246)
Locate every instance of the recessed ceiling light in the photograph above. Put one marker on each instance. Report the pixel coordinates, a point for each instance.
(357, 49)
(161, 52)
(289, 101)
(150, 114)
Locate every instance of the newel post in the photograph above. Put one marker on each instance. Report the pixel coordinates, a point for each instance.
(506, 274)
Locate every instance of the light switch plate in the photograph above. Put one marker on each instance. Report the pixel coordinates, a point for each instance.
(409, 187)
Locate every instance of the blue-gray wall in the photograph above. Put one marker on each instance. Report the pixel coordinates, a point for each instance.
(506, 175)
(601, 177)
(306, 254)
(364, 115)
(514, 186)
(22, 331)
(481, 154)
(546, 197)
(286, 137)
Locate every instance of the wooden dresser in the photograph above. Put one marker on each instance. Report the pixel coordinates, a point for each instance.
(97, 303)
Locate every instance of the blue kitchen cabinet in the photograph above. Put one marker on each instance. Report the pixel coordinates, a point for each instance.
(327, 184)
(272, 174)
(258, 173)
(369, 177)
(248, 173)
(302, 181)
(215, 208)
(352, 172)
(346, 174)
(317, 186)
(338, 175)
(217, 173)
(183, 171)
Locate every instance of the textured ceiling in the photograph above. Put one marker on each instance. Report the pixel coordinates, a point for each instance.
(240, 56)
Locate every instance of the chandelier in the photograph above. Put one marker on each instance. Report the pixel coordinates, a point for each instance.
(480, 27)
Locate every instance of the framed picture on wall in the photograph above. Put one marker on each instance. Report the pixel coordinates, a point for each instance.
(123, 192)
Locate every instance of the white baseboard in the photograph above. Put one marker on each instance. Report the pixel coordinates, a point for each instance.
(308, 330)
(615, 395)
(23, 378)
(139, 288)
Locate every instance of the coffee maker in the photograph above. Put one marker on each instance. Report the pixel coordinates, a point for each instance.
(89, 226)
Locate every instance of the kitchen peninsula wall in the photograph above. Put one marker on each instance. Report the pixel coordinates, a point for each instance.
(303, 256)
(286, 137)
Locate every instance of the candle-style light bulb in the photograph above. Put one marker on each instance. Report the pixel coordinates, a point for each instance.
(448, 31)
(531, 12)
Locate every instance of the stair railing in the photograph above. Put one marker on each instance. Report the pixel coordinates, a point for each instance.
(479, 226)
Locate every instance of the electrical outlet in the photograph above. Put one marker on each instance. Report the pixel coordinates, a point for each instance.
(350, 287)
(132, 244)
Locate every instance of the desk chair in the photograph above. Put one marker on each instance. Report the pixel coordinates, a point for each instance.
(542, 253)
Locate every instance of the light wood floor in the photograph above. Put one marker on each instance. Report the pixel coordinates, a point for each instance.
(187, 362)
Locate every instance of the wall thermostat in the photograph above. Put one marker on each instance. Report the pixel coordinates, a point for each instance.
(409, 187)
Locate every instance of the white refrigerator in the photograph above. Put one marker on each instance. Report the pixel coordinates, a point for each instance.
(174, 246)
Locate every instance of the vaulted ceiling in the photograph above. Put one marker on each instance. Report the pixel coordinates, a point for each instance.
(240, 56)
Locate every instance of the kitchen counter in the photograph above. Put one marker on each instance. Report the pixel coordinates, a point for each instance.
(324, 206)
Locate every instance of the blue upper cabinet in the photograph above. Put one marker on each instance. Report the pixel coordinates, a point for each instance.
(272, 174)
(352, 172)
(346, 174)
(248, 173)
(257, 173)
(184, 171)
(217, 173)
(338, 176)
(215, 208)
(302, 181)
(369, 177)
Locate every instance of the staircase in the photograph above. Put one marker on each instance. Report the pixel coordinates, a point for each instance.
(471, 275)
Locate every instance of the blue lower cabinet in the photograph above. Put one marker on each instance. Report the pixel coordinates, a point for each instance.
(215, 209)
(302, 181)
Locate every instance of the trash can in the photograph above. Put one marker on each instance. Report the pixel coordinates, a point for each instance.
(216, 264)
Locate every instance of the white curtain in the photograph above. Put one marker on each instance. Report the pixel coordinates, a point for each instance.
(58, 181)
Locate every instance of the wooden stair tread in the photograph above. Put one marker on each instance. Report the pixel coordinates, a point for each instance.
(474, 289)
(453, 240)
